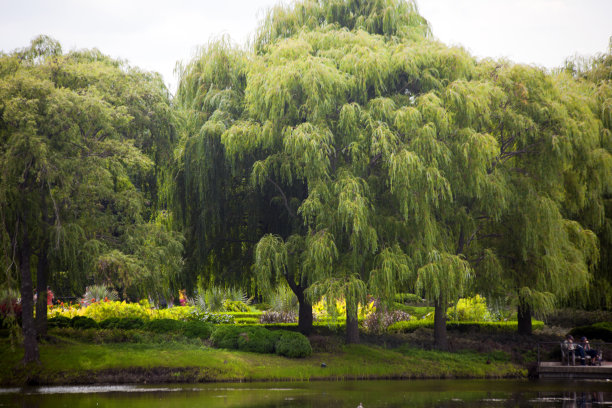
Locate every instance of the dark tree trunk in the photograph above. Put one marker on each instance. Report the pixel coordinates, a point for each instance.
(30, 344)
(305, 308)
(42, 273)
(305, 313)
(524, 319)
(352, 325)
(440, 335)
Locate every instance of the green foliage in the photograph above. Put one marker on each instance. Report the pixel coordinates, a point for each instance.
(98, 293)
(598, 331)
(126, 323)
(83, 322)
(470, 309)
(235, 306)
(198, 329)
(257, 340)
(226, 336)
(164, 325)
(59, 321)
(293, 345)
(482, 327)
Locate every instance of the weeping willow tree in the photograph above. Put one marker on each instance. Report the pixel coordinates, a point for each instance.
(73, 128)
(375, 158)
(592, 207)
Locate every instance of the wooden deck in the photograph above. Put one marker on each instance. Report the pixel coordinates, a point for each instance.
(554, 370)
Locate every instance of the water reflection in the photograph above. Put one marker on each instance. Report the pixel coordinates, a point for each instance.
(347, 394)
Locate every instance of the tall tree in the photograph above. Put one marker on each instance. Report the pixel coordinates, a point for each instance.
(68, 161)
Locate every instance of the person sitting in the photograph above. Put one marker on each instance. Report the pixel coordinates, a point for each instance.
(574, 348)
(586, 347)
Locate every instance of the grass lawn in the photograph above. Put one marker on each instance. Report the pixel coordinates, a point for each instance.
(74, 362)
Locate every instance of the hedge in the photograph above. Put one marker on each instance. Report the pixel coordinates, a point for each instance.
(495, 327)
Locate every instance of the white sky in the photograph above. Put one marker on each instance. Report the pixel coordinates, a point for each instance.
(155, 34)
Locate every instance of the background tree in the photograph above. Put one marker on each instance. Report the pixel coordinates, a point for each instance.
(67, 200)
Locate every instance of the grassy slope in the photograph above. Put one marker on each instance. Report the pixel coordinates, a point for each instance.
(79, 362)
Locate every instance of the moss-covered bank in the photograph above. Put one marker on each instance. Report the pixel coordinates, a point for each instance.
(81, 363)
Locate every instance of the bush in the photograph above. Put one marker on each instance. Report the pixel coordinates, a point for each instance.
(293, 344)
(199, 329)
(235, 306)
(215, 318)
(164, 325)
(83, 322)
(257, 340)
(472, 309)
(379, 322)
(129, 323)
(599, 331)
(483, 327)
(58, 321)
(226, 336)
(278, 317)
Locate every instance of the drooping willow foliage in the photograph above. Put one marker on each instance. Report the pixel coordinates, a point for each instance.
(350, 154)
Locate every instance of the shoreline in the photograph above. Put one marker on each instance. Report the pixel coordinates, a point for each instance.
(133, 363)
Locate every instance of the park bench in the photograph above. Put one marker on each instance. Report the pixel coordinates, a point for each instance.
(568, 353)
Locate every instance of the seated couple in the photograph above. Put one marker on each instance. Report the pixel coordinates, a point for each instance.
(582, 349)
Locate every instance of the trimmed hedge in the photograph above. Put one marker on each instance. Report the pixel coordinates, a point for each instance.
(485, 327)
(129, 323)
(164, 325)
(226, 336)
(292, 344)
(58, 321)
(83, 322)
(599, 331)
(258, 339)
(199, 329)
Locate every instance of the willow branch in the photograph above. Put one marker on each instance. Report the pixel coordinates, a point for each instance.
(282, 193)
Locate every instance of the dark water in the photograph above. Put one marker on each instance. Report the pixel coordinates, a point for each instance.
(370, 394)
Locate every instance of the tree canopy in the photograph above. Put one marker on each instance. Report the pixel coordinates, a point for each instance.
(81, 139)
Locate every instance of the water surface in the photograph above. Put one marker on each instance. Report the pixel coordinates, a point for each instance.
(341, 394)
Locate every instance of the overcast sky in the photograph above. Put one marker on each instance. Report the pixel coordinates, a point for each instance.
(155, 34)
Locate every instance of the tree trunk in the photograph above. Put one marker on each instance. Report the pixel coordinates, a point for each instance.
(30, 344)
(305, 313)
(440, 335)
(352, 325)
(524, 319)
(42, 273)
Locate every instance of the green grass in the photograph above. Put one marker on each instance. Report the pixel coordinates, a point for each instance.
(74, 361)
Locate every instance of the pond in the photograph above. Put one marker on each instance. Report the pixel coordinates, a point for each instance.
(341, 394)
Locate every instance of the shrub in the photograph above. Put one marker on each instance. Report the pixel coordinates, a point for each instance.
(110, 323)
(283, 299)
(472, 309)
(83, 322)
(293, 344)
(226, 336)
(408, 298)
(272, 316)
(215, 318)
(235, 306)
(195, 328)
(484, 327)
(379, 322)
(164, 325)
(129, 323)
(599, 331)
(58, 321)
(98, 293)
(257, 340)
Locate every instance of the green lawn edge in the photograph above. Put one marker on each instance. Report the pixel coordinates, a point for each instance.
(81, 363)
